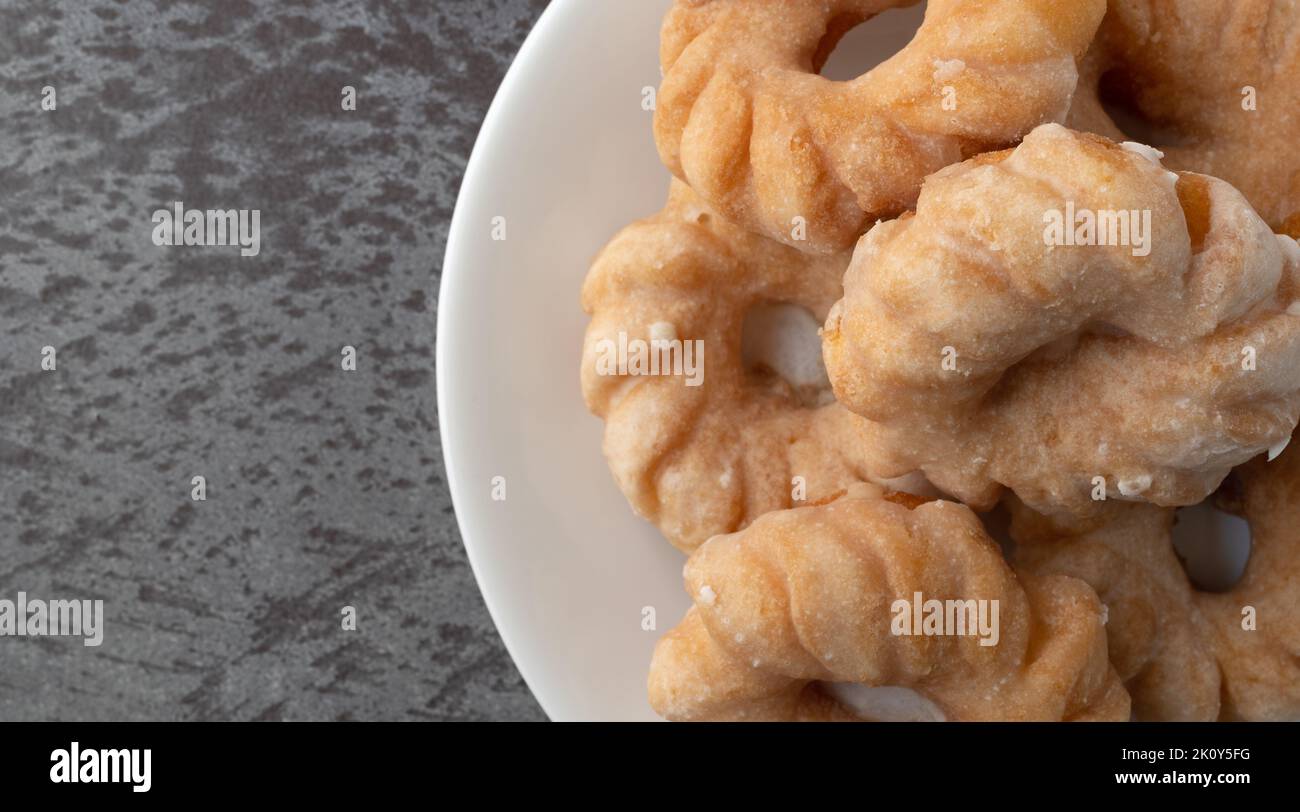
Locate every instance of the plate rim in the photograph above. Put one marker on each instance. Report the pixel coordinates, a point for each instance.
(449, 289)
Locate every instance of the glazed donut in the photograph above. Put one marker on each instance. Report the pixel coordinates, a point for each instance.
(743, 117)
(794, 619)
(988, 355)
(1186, 653)
(1159, 641)
(1219, 78)
(1261, 666)
(697, 460)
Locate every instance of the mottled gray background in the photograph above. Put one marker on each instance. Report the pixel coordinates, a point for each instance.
(325, 488)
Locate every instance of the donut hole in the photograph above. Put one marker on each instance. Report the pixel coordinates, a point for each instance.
(1117, 95)
(781, 340)
(848, 50)
(885, 703)
(1213, 544)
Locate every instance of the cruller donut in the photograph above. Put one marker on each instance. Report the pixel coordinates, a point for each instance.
(795, 618)
(1159, 641)
(744, 118)
(1261, 665)
(1137, 363)
(708, 455)
(1219, 80)
(1184, 653)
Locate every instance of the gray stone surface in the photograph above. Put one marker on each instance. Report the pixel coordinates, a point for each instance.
(325, 487)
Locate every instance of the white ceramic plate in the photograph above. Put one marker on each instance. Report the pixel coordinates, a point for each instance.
(567, 157)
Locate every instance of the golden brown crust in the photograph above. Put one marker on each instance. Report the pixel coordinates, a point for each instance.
(1159, 641)
(1183, 653)
(1261, 665)
(742, 116)
(708, 459)
(1192, 69)
(803, 598)
(1156, 372)
(1072, 365)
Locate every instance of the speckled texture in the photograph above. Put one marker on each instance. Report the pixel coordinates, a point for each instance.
(325, 487)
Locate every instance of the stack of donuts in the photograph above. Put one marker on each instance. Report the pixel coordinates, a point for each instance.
(1046, 258)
